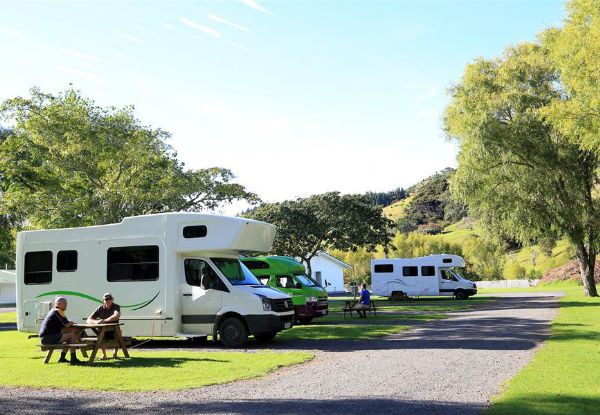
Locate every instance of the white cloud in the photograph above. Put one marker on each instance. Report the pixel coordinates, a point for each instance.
(204, 29)
(167, 26)
(430, 93)
(127, 57)
(255, 6)
(129, 37)
(237, 45)
(81, 55)
(88, 76)
(15, 34)
(227, 22)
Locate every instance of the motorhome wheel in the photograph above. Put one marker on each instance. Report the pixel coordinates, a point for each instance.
(233, 332)
(265, 337)
(460, 295)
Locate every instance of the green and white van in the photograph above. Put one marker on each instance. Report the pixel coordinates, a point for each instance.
(288, 275)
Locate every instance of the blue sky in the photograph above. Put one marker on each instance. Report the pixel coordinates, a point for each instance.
(295, 97)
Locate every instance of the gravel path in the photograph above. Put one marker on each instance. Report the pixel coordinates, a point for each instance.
(451, 366)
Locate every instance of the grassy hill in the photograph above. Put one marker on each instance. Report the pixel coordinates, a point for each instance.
(439, 223)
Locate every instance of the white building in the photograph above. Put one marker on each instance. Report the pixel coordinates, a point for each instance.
(328, 271)
(8, 291)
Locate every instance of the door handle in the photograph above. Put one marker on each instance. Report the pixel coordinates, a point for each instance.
(187, 295)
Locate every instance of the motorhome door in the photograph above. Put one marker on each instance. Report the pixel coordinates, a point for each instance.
(448, 282)
(201, 291)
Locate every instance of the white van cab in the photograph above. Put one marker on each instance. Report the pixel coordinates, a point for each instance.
(423, 276)
(173, 274)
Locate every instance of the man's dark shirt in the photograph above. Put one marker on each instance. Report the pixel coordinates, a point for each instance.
(103, 312)
(53, 323)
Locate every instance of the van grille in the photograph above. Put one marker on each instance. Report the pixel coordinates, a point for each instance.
(282, 304)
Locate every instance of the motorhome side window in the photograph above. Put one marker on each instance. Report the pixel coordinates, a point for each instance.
(38, 267)
(410, 271)
(194, 231)
(427, 271)
(384, 268)
(132, 263)
(66, 261)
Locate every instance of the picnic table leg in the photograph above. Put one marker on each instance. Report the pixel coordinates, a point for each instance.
(78, 340)
(48, 355)
(98, 344)
(119, 339)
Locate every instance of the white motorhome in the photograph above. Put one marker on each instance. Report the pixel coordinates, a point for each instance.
(423, 276)
(173, 274)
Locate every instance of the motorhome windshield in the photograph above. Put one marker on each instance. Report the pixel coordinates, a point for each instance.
(235, 271)
(307, 282)
(456, 274)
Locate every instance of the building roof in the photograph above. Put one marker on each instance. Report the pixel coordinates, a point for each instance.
(8, 275)
(333, 259)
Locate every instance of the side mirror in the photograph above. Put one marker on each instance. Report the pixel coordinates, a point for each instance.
(298, 285)
(207, 282)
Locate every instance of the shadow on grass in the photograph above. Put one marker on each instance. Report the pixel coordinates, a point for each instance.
(546, 404)
(181, 404)
(139, 361)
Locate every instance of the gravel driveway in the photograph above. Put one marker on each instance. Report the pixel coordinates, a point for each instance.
(451, 366)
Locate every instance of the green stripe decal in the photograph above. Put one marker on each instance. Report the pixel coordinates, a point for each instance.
(97, 300)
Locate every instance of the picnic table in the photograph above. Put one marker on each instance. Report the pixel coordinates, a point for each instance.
(99, 341)
(349, 308)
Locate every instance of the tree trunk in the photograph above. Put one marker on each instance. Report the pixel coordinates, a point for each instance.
(308, 267)
(587, 263)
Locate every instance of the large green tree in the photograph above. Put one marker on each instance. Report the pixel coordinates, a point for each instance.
(575, 49)
(68, 162)
(518, 172)
(325, 221)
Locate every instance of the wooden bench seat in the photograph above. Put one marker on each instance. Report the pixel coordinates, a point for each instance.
(50, 348)
(349, 308)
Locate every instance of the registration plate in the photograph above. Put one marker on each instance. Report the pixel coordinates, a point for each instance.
(287, 325)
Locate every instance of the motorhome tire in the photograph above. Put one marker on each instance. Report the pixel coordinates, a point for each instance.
(233, 332)
(265, 337)
(460, 295)
(304, 320)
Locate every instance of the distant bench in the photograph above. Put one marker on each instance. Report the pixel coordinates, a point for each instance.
(349, 308)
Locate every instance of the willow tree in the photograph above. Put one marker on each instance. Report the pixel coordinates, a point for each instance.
(517, 172)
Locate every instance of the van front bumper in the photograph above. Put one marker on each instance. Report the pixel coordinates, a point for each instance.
(471, 291)
(268, 323)
(312, 309)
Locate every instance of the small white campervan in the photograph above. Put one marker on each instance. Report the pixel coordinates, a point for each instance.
(423, 276)
(173, 274)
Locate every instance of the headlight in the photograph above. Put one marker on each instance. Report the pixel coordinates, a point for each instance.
(311, 299)
(266, 304)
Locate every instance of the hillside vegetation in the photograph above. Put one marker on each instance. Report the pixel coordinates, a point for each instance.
(429, 222)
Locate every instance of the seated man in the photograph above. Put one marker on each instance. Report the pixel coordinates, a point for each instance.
(57, 329)
(364, 302)
(108, 312)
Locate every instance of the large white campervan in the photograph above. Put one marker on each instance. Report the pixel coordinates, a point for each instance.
(173, 274)
(423, 276)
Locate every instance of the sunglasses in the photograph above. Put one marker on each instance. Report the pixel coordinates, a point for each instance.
(108, 298)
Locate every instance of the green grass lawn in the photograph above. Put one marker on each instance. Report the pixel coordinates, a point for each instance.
(21, 363)
(8, 317)
(564, 376)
